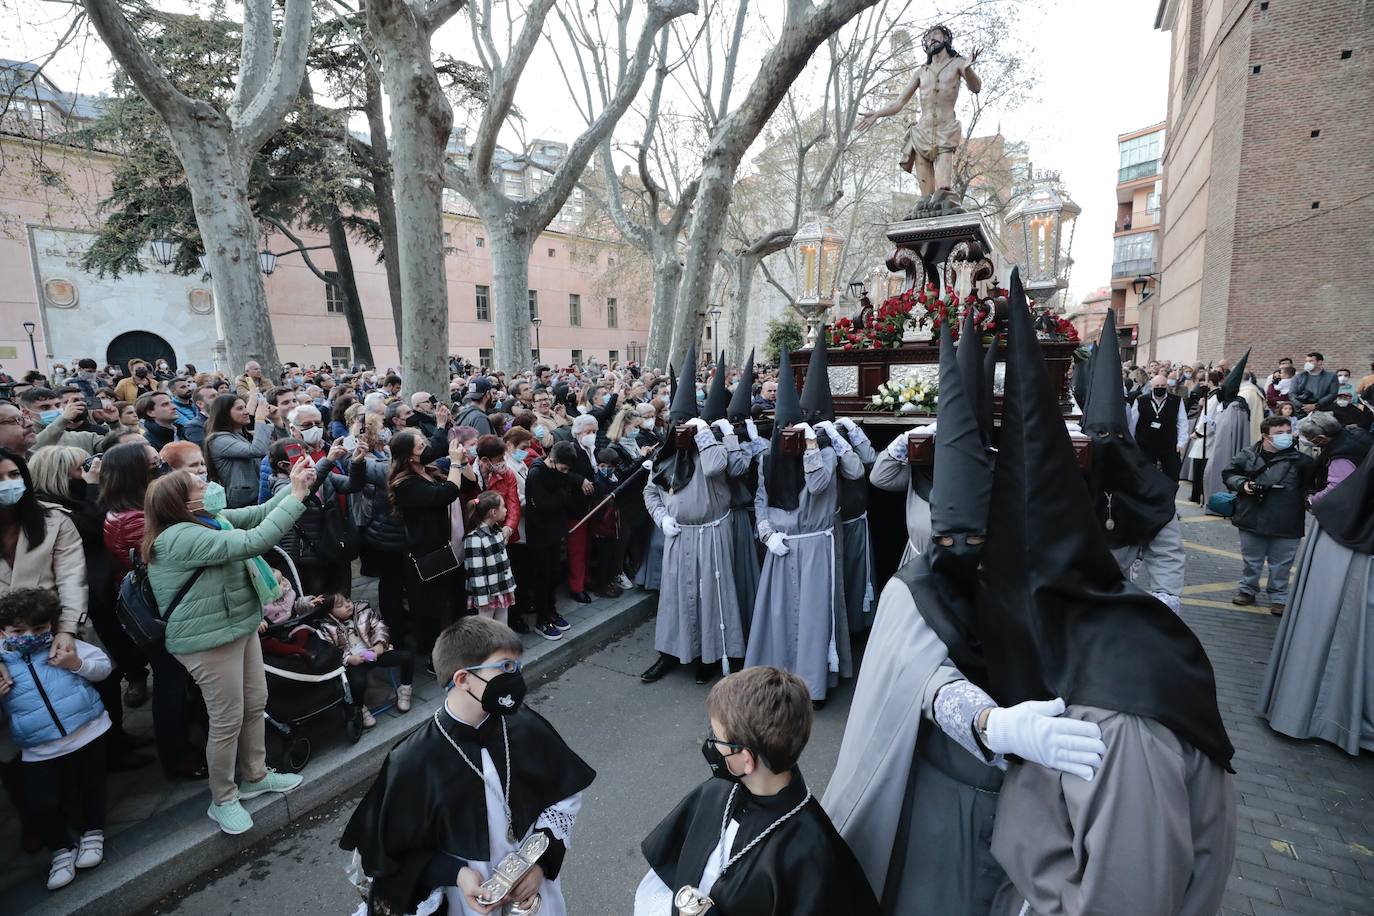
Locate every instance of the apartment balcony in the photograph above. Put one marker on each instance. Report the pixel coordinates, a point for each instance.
(1131, 268)
(1138, 171)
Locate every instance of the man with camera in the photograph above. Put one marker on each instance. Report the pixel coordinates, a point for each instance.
(1271, 480)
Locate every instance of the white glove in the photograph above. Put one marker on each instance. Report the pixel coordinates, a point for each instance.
(777, 544)
(648, 464)
(847, 424)
(829, 428)
(806, 428)
(724, 426)
(669, 526)
(751, 429)
(896, 449)
(697, 423)
(1035, 731)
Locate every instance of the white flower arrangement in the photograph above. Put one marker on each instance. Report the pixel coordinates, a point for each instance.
(908, 395)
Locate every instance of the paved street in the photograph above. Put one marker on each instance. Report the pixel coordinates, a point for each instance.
(1306, 815)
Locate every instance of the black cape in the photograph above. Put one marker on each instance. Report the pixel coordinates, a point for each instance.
(1346, 514)
(426, 800)
(803, 868)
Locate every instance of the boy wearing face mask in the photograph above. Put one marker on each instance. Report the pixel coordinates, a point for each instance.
(479, 781)
(1271, 480)
(752, 839)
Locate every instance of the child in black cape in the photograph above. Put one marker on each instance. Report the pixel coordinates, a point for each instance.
(432, 824)
(752, 839)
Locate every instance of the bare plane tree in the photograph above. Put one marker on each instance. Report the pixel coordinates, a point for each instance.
(513, 225)
(216, 148)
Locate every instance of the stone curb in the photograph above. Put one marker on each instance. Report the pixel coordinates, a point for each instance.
(151, 860)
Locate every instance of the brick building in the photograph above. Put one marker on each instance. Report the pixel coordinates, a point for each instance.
(1268, 183)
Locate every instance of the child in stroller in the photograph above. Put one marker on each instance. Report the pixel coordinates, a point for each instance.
(359, 634)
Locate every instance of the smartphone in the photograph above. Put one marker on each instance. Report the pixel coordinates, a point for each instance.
(350, 442)
(294, 453)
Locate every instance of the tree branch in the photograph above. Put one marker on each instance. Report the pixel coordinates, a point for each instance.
(504, 79)
(133, 58)
(301, 248)
(256, 48)
(441, 11)
(278, 93)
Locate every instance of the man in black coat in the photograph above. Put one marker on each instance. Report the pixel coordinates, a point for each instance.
(1271, 480)
(1159, 422)
(1315, 387)
(554, 492)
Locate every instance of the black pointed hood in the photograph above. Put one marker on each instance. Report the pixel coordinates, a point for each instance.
(1230, 386)
(963, 468)
(969, 356)
(672, 383)
(944, 578)
(1133, 498)
(742, 399)
(674, 467)
(987, 395)
(816, 402)
(717, 396)
(1083, 378)
(783, 475)
(1055, 615)
(684, 404)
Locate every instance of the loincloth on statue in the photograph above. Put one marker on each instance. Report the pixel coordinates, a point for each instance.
(927, 141)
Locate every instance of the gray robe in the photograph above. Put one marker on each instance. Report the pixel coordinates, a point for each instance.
(856, 547)
(1154, 833)
(1162, 560)
(1232, 434)
(1320, 681)
(746, 549)
(895, 477)
(698, 613)
(800, 623)
(922, 835)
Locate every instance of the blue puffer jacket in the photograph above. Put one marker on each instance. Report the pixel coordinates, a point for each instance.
(46, 702)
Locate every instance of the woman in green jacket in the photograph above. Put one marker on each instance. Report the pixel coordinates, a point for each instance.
(213, 630)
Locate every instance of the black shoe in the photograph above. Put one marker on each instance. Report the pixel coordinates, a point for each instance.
(1243, 600)
(818, 705)
(582, 597)
(122, 760)
(705, 672)
(736, 664)
(190, 770)
(659, 668)
(136, 693)
(519, 625)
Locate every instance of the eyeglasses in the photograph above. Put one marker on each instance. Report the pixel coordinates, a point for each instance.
(507, 666)
(734, 747)
(22, 419)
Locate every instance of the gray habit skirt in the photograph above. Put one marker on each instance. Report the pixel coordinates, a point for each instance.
(856, 551)
(1320, 681)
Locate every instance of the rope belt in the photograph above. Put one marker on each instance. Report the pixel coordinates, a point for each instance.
(706, 524)
(720, 604)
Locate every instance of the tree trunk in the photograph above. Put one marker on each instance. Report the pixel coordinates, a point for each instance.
(667, 276)
(217, 175)
(739, 315)
(421, 119)
(708, 225)
(510, 309)
(384, 191)
(353, 305)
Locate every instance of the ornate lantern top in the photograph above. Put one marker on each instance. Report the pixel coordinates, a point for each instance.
(1039, 230)
(818, 246)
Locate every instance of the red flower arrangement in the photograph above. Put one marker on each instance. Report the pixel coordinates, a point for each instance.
(925, 309)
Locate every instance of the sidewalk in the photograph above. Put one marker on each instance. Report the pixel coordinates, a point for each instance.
(1304, 809)
(157, 835)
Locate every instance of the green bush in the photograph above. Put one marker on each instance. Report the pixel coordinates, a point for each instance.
(781, 331)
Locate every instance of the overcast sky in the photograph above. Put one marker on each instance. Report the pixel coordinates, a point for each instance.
(1103, 71)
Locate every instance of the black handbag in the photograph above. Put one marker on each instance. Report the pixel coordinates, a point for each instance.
(136, 607)
(436, 563)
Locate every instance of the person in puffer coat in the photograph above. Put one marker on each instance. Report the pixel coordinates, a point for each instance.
(384, 548)
(213, 630)
(56, 717)
(319, 575)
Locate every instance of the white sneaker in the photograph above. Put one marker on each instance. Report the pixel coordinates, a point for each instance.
(369, 719)
(624, 582)
(63, 869)
(403, 694)
(91, 850)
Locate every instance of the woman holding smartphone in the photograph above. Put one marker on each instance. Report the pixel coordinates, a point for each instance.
(233, 458)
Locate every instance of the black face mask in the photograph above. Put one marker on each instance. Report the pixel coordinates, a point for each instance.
(504, 695)
(959, 560)
(716, 761)
(1159, 392)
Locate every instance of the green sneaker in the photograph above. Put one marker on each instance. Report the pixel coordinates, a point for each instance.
(272, 782)
(232, 818)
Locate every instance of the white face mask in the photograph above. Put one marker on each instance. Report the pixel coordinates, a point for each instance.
(1308, 366)
(588, 440)
(312, 436)
(11, 491)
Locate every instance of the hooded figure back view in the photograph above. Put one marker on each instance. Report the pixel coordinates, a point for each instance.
(1055, 618)
(799, 622)
(688, 497)
(1232, 432)
(743, 472)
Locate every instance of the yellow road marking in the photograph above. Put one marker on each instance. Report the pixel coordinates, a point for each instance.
(1226, 606)
(1201, 518)
(1216, 551)
(1209, 587)
(1285, 848)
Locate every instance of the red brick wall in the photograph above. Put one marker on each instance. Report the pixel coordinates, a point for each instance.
(1302, 278)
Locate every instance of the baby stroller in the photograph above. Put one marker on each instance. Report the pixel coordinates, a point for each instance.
(308, 685)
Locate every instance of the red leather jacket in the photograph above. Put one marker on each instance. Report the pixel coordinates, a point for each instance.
(503, 482)
(123, 532)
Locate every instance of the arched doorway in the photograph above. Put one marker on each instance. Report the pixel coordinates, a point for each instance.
(139, 345)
